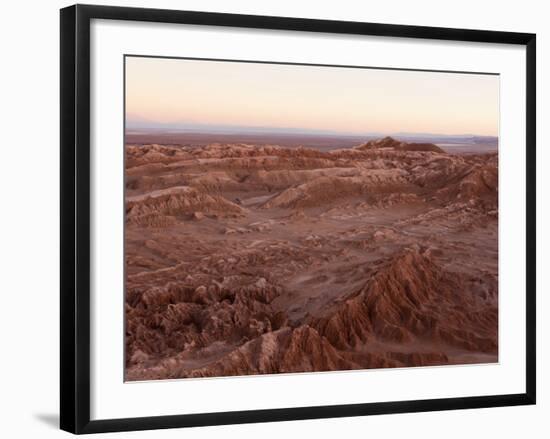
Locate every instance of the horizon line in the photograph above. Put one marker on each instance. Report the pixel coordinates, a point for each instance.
(243, 129)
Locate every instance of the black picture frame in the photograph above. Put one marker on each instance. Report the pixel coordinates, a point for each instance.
(75, 217)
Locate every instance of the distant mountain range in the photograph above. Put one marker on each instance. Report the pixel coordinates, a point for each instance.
(141, 127)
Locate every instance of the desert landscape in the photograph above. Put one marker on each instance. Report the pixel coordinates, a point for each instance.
(258, 259)
(288, 218)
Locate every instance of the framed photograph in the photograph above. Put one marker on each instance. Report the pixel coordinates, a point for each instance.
(268, 218)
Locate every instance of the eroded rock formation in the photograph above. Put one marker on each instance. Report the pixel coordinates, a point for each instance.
(244, 259)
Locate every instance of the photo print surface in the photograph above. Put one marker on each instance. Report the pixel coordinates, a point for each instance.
(285, 218)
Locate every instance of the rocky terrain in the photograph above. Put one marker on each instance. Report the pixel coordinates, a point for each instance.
(245, 259)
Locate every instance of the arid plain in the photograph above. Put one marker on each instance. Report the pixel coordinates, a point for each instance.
(257, 259)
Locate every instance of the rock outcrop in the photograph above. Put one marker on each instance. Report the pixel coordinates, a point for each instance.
(390, 142)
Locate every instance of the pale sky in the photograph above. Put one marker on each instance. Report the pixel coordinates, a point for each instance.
(348, 100)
